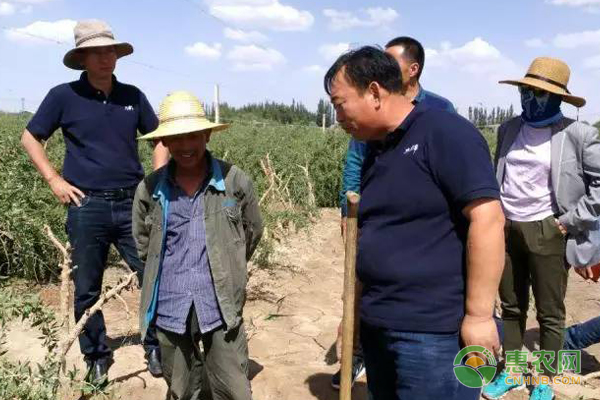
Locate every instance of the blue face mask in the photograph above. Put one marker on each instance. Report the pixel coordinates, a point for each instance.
(540, 108)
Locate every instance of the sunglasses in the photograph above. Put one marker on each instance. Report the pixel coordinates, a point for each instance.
(536, 92)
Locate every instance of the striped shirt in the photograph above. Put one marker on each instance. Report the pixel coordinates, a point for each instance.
(186, 277)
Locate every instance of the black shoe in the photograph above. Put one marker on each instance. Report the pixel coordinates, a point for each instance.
(97, 373)
(153, 361)
(358, 370)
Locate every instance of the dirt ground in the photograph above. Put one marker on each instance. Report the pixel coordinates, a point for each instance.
(291, 318)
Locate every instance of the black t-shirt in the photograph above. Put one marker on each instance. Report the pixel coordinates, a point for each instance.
(411, 250)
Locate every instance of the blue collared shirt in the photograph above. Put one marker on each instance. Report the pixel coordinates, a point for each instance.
(186, 277)
(357, 150)
(99, 131)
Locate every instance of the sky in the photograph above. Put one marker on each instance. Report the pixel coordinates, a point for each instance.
(279, 50)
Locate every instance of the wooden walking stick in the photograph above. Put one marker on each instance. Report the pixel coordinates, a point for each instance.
(349, 297)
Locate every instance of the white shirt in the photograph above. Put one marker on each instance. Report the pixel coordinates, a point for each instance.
(526, 191)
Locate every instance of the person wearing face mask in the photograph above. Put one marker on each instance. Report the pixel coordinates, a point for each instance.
(548, 169)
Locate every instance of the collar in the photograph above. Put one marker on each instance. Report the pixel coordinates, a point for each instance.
(420, 96)
(92, 91)
(214, 172)
(397, 134)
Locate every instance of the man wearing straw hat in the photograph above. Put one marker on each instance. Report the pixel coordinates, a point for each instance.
(548, 169)
(196, 223)
(99, 117)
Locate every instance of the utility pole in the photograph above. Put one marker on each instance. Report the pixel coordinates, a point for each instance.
(323, 122)
(216, 105)
(22, 104)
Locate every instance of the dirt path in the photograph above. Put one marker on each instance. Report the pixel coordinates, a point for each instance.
(291, 318)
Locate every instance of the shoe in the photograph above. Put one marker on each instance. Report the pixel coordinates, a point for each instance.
(541, 392)
(499, 387)
(358, 370)
(153, 361)
(97, 372)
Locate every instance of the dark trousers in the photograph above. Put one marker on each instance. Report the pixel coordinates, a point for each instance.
(535, 257)
(92, 228)
(218, 370)
(412, 366)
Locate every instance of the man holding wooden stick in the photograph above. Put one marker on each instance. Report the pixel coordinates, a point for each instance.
(431, 245)
(99, 117)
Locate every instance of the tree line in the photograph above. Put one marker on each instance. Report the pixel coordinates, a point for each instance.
(481, 116)
(287, 114)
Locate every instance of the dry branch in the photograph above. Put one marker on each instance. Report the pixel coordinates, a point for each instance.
(312, 201)
(65, 276)
(65, 345)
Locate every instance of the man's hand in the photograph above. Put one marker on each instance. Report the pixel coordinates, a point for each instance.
(64, 191)
(561, 227)
(343, 224)
(480, 331)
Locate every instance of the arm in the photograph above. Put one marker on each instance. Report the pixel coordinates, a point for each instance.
(140, 229)
(160, 155)
(587, 211)
(485, 263)
(63, 191)
(355, 157)
(251, 219)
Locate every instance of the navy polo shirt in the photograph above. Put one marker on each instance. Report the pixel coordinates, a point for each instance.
(100, 132)
(411, 250)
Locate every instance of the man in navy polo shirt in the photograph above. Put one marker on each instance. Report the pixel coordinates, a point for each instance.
(99, 117)
(410, 55)
(431, 245)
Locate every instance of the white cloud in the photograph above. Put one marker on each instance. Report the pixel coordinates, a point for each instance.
(372, 17)
(316, 69)
(535, 43)
(261, 14)
(254, 58)
(592, 62)
(43, 32)
(6, 9)
(204, 50)
(591, 6)
(27, 9)
(331, 51)
(468, 74)
(244, 36)
(575, 3)
(577, 39)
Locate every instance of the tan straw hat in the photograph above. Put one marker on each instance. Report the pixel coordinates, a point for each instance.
(551, 75)
(180, 113)
(93, 33)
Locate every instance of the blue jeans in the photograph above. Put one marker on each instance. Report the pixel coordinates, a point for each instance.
(583, 335)
(92, 228)
(412, 366)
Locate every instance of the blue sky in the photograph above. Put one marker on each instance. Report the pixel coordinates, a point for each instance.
(279, 49)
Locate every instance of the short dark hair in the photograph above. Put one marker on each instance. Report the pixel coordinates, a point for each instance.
(365, 65)
(413, 50)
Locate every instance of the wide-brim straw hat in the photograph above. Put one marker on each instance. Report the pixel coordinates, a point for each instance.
(551, 75)
(93, 33)
(181, 113)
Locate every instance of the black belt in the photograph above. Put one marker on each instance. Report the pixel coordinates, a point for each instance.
(112, 194)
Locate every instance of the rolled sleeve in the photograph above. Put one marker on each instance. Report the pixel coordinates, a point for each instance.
(148, 121)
